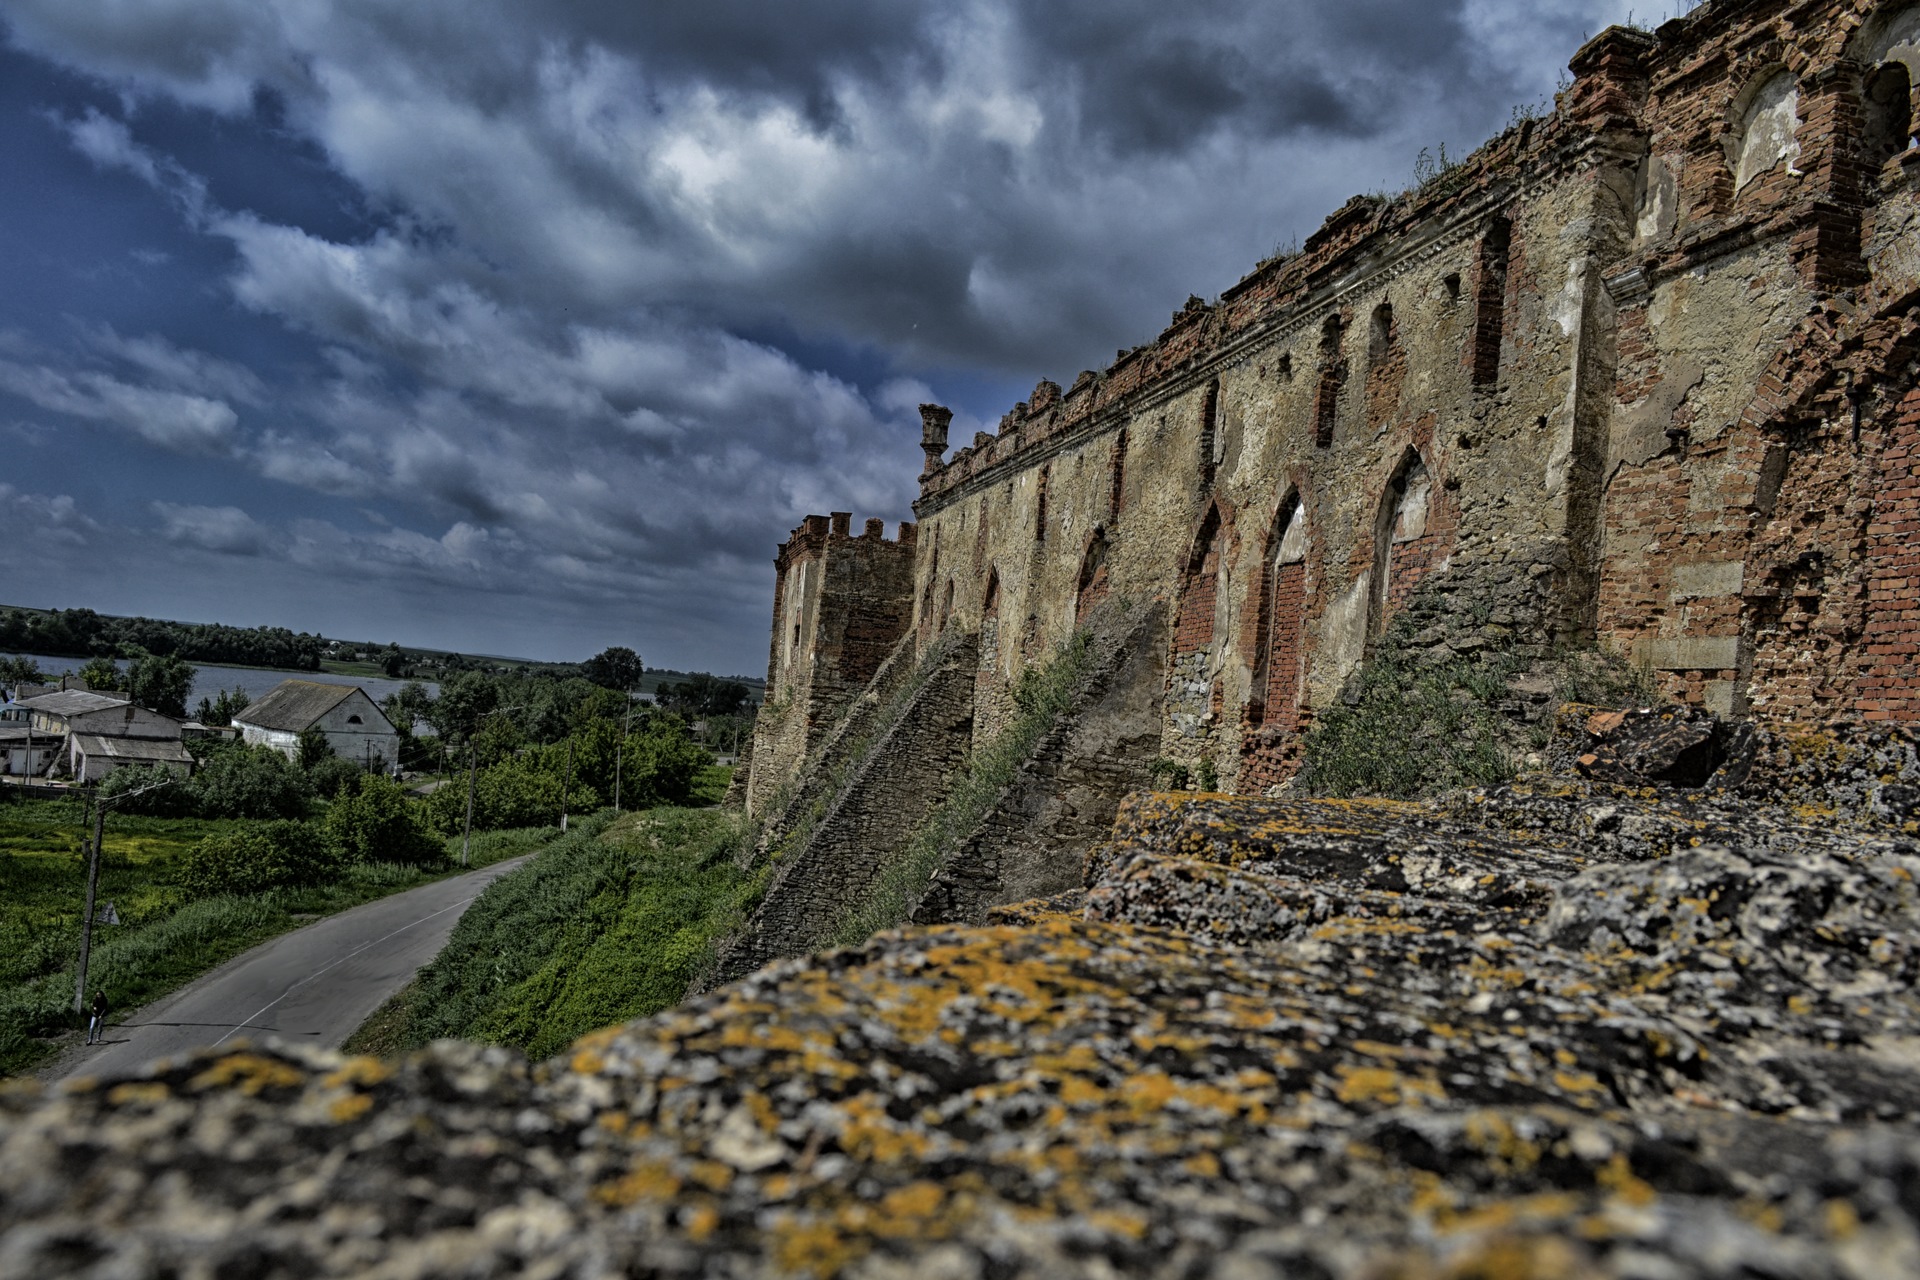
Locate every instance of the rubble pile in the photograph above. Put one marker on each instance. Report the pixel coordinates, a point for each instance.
(1573, 1027)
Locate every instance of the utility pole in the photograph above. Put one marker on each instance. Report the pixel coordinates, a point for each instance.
(93, 884)
(86, 919)
(566, 785)
(620, 751)
(466, 841)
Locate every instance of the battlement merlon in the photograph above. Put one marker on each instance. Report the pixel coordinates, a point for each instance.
(812, 536)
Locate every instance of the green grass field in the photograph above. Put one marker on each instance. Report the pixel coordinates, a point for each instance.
(166, 937)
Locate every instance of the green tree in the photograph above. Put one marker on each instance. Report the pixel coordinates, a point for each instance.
(465, 700)
(21, 670)
(615, 668)
(161, 793)
(102, 674)
(392, 660)
(408, 705)
(373, 821)
(220, 710)
(313, 748)
(238, 781)
(702, 696)
(161, 682)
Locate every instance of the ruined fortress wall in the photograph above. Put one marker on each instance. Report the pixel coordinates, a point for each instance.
(1648, 356)
(841, 605)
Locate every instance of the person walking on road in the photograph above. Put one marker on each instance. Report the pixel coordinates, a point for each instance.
(97, 1019)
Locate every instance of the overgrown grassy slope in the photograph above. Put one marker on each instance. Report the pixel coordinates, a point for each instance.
(608, 924)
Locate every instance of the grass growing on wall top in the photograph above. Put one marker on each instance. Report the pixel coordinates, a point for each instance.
(608, 924)
(1420, 729)
(1041, 696)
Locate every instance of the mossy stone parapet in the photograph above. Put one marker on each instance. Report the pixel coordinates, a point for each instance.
(1567, 1028)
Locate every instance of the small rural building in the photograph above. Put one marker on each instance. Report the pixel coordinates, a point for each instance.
(92, 756)
(96, 732)
(353, 723)
(110, 715)
(23, 754)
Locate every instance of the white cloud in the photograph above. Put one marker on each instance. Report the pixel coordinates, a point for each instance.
(44, 519)
(171, 419)
(227, 530)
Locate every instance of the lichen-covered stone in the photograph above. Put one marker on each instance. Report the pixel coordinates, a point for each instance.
(1283, 1038)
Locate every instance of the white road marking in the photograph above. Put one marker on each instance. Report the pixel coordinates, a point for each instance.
(342, 960)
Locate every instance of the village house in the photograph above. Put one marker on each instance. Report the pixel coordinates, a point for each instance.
(353, 724)
(95, 732)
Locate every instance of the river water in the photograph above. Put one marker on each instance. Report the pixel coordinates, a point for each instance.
(209, 680)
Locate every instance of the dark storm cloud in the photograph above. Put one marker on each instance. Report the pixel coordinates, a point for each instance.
(481, 267)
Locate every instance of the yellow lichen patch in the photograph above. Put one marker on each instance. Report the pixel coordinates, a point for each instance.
(587, 1063)
(649, 1180)
(1076, 1091)
(1578, 1082)
(1522, 1258)
(1618, 1177)
(711, 1174)
(143, 1092)
(1202, 1164)
(870, 1134)
(1489, 1133)
(814, 1248)
(1120, 1222)
(1842, 1221)
(1368, 1084)
(614, 1122)
(349, 1108)
(250, 1071)
(598, 1041)
(1501, 1214)
(363, 1071)
(699, 1222)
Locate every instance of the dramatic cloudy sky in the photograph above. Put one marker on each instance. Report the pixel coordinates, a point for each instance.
(532, 326)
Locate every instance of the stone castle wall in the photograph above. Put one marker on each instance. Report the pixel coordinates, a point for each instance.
(841, 605)
(1650, 355)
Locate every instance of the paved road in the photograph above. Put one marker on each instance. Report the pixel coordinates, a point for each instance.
(313, 986)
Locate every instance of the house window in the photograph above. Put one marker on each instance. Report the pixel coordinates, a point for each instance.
(354, 720)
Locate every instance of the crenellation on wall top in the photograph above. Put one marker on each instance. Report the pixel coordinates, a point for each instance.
(815, 535)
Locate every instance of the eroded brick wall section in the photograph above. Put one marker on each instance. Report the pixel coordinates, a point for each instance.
(1649, 348)
(1888, 687)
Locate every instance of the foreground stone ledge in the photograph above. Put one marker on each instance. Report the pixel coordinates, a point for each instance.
(1702, 1064)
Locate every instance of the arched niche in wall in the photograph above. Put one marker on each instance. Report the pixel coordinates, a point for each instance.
(1191, 690)
(1766, 118)
(946, 605)
(1093, 584)
(1888, 46)
(990, 622)
(1400, 530)
(1280, 666)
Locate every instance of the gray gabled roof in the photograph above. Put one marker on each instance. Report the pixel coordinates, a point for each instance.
(135, 750)
(73, 702)
(294, 705)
